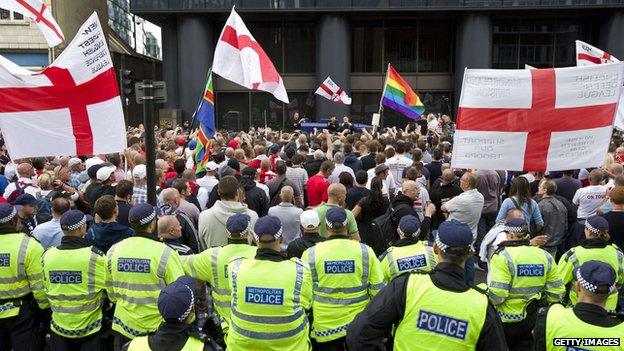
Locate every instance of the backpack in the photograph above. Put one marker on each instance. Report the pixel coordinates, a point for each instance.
(383, 230)
(19, 190)
(43, 213)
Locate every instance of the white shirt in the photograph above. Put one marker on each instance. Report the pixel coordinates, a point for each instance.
(333, 178)
(466, 208)
(264, 187)
(202, 197)
(421, 203)
(207, 182)
(387, 184)
(589, 199)
(397, 164)
(31, 189)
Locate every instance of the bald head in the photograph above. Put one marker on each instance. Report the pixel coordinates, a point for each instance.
(448, 176)
(616, 169)
(162, 164)
(171, 196)
(169, 227)
(286, 194)
(410, 189)
(514, 213)
(25, 170)
(468, 181)
(337, 194)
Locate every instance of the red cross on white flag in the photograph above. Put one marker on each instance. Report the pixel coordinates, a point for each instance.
(70, 108)
(331, 91)
(536, 120)
(239, 58)
(37, 10)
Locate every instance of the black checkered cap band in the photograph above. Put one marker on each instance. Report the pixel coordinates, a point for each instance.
(244, 231)
(77, 224)
(330, 225)
(9, 217)
(276, 236)
(515, 229)
(148, 219)
(440, 244)
(190, 308)
(589, 286)
(591, 228)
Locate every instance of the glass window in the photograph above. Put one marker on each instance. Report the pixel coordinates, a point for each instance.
(434, 47)
(300, 48)
(367, 49)
(266, 110)
(232, 111)
(18, 16)
(302, 102)
(363, 105)
(5, 14)
(400, 48)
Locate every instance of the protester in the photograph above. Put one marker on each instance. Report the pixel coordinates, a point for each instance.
(123, 196)
(310, 221)
(170, 232)
(50, 234)
(106, 231)
(318, 185)
(288, 215)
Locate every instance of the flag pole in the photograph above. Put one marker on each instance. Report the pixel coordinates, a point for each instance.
(383, 92)
(201, 97)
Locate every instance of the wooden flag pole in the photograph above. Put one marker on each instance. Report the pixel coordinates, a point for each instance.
(375, 126)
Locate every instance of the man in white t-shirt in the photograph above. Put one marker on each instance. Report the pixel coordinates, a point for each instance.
(388, 180)
(590, 198)
(398, 163)
(466, 207)
(210, 180)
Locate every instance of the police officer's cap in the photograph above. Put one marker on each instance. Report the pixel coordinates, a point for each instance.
(596, 224)
(597, 277)
(268, 225)
(238, 223)
(7, 212)
(336, 217)
(72, 220)
(453, 234)
(142, 213)
(177, 299)
(516, 225)
(26, 199)
(409, 225)
(275, 148)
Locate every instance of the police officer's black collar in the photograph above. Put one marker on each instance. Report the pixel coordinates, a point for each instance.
(406, 241)
(171, 336)
(595, 315)
(237, 241)
(270, 255)
(73, 242)
(595, 243)
(449, 276)
(338, 236)
(510, 243)
(8, 231)
(147, 236)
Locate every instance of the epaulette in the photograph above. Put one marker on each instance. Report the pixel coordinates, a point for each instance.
(235, 258)
(568, 253)
(300, 262)
(499, 249)
(97, 251)
(385, 253)
(477, 288)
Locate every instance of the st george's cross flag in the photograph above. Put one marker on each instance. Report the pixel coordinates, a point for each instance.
(70, 108)
(536, 120)
(239, 58)
(331, 91)
(38, 11)
(587, 55)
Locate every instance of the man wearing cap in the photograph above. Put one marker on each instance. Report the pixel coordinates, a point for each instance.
(76, 168)
(209, 180)
(520, 276)
(93, 184)
(211, 265)
(75, 274)
(26, 206)
(137, 269)
(310, 222)
(139, 191)
(437, 310)
(176, 304)
(408, 254)
(595, 247)
(105, 175)
(595, 281)
(21, 282)
(270, 296)
(346, 275)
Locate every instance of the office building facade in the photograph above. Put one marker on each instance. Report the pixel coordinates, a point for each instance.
(430, 42)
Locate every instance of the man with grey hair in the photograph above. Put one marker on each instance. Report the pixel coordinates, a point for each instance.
(288, 215)
(171, 202)
(229, 153)
(170, 233)
(339, 159)
(314, 165)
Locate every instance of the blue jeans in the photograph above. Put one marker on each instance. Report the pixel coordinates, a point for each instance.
(470, 271)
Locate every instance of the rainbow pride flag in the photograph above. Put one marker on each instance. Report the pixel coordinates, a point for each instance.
(400, 97)
(205, 115)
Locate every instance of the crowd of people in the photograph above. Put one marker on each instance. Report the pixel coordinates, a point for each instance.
(339, 239)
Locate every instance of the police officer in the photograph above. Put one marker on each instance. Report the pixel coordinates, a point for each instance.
(74, 280)
(346, 275)
(432, 311)
(595, 281)
(270, 294)
(21, 283)
(137, 269)
(521, 275)
(595, 247)
(211, 265)
(176, 304)
(408, 253)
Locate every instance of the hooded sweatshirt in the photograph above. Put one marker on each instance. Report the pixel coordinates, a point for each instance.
(352, 161)
(255, 198)
(212, 222)
(105, 235)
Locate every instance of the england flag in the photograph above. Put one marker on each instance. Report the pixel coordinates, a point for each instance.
(37, 11)
(333, 92)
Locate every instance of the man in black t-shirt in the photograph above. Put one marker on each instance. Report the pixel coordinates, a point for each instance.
(616, 216)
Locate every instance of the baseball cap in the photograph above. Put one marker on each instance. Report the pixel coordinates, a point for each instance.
(139, 172)
(92, 171)
(73, 161)
(309, 219)
(380, 168)
(105, 172)
(93, 161)
(212, 166)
